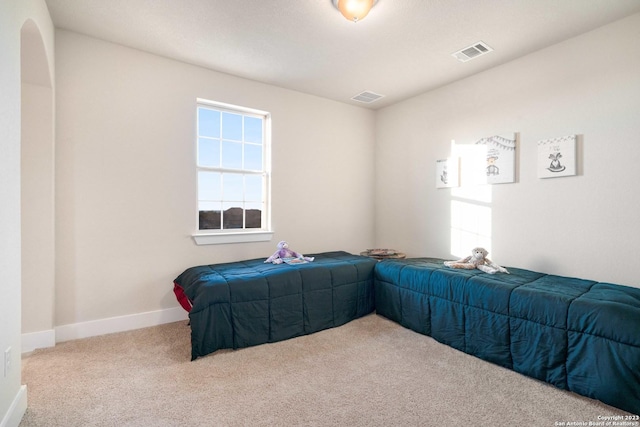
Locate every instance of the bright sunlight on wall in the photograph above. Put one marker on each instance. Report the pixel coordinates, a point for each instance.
(471, 202)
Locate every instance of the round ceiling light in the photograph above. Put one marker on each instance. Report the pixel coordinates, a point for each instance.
(354, 10)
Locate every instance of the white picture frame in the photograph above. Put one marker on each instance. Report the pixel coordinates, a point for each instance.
(448, 172)
(557, 157)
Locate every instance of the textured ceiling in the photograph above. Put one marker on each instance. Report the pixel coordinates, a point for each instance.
(401, 49)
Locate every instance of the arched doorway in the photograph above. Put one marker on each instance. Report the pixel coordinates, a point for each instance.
(37, 191)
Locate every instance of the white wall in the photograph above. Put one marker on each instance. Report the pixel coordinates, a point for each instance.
(13, 15)
(585, 226)
(37, 201)
(125, 190)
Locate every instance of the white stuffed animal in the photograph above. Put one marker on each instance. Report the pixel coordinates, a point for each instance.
(479, 260)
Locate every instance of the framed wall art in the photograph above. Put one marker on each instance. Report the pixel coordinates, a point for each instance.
(500, 158)
(557, 157)
(447, 172)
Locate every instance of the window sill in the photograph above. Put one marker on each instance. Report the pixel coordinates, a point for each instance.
(223, 238)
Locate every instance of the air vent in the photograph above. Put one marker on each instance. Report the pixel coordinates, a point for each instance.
(367, 97)
(471, 52)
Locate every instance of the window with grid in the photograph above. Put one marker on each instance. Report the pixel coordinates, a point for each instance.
(233, 169)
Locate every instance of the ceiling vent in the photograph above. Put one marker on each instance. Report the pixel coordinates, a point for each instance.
(471, 52)
(367, 97)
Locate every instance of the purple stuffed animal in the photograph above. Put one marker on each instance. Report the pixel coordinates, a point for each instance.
(284, 252)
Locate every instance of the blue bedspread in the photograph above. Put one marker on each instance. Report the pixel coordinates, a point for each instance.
(576, 334)
(246, 303)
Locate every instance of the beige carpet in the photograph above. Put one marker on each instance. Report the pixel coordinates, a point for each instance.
(370, 372)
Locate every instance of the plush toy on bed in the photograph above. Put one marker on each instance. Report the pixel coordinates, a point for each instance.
(284, 252)
(479, 260)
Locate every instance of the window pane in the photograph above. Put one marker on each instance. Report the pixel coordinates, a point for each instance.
(253, 188)
(208, 123)
(253, 215)
(233, 215)
(232, 187)
(209, 217)
(253, 157)
(232, 126)
(209, 186)
(253, 129)
(208, 152)
(231, 155)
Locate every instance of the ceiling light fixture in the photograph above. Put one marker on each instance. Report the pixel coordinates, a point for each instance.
(354, 10)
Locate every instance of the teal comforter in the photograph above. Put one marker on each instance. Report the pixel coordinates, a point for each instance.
(247, 303)
(576, 334)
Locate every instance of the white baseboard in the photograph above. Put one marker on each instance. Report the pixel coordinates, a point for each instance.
(34, 340)
(17, 409)
(119, 324)
(43, 339)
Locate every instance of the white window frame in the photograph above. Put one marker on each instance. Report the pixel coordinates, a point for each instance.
(224, 236)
